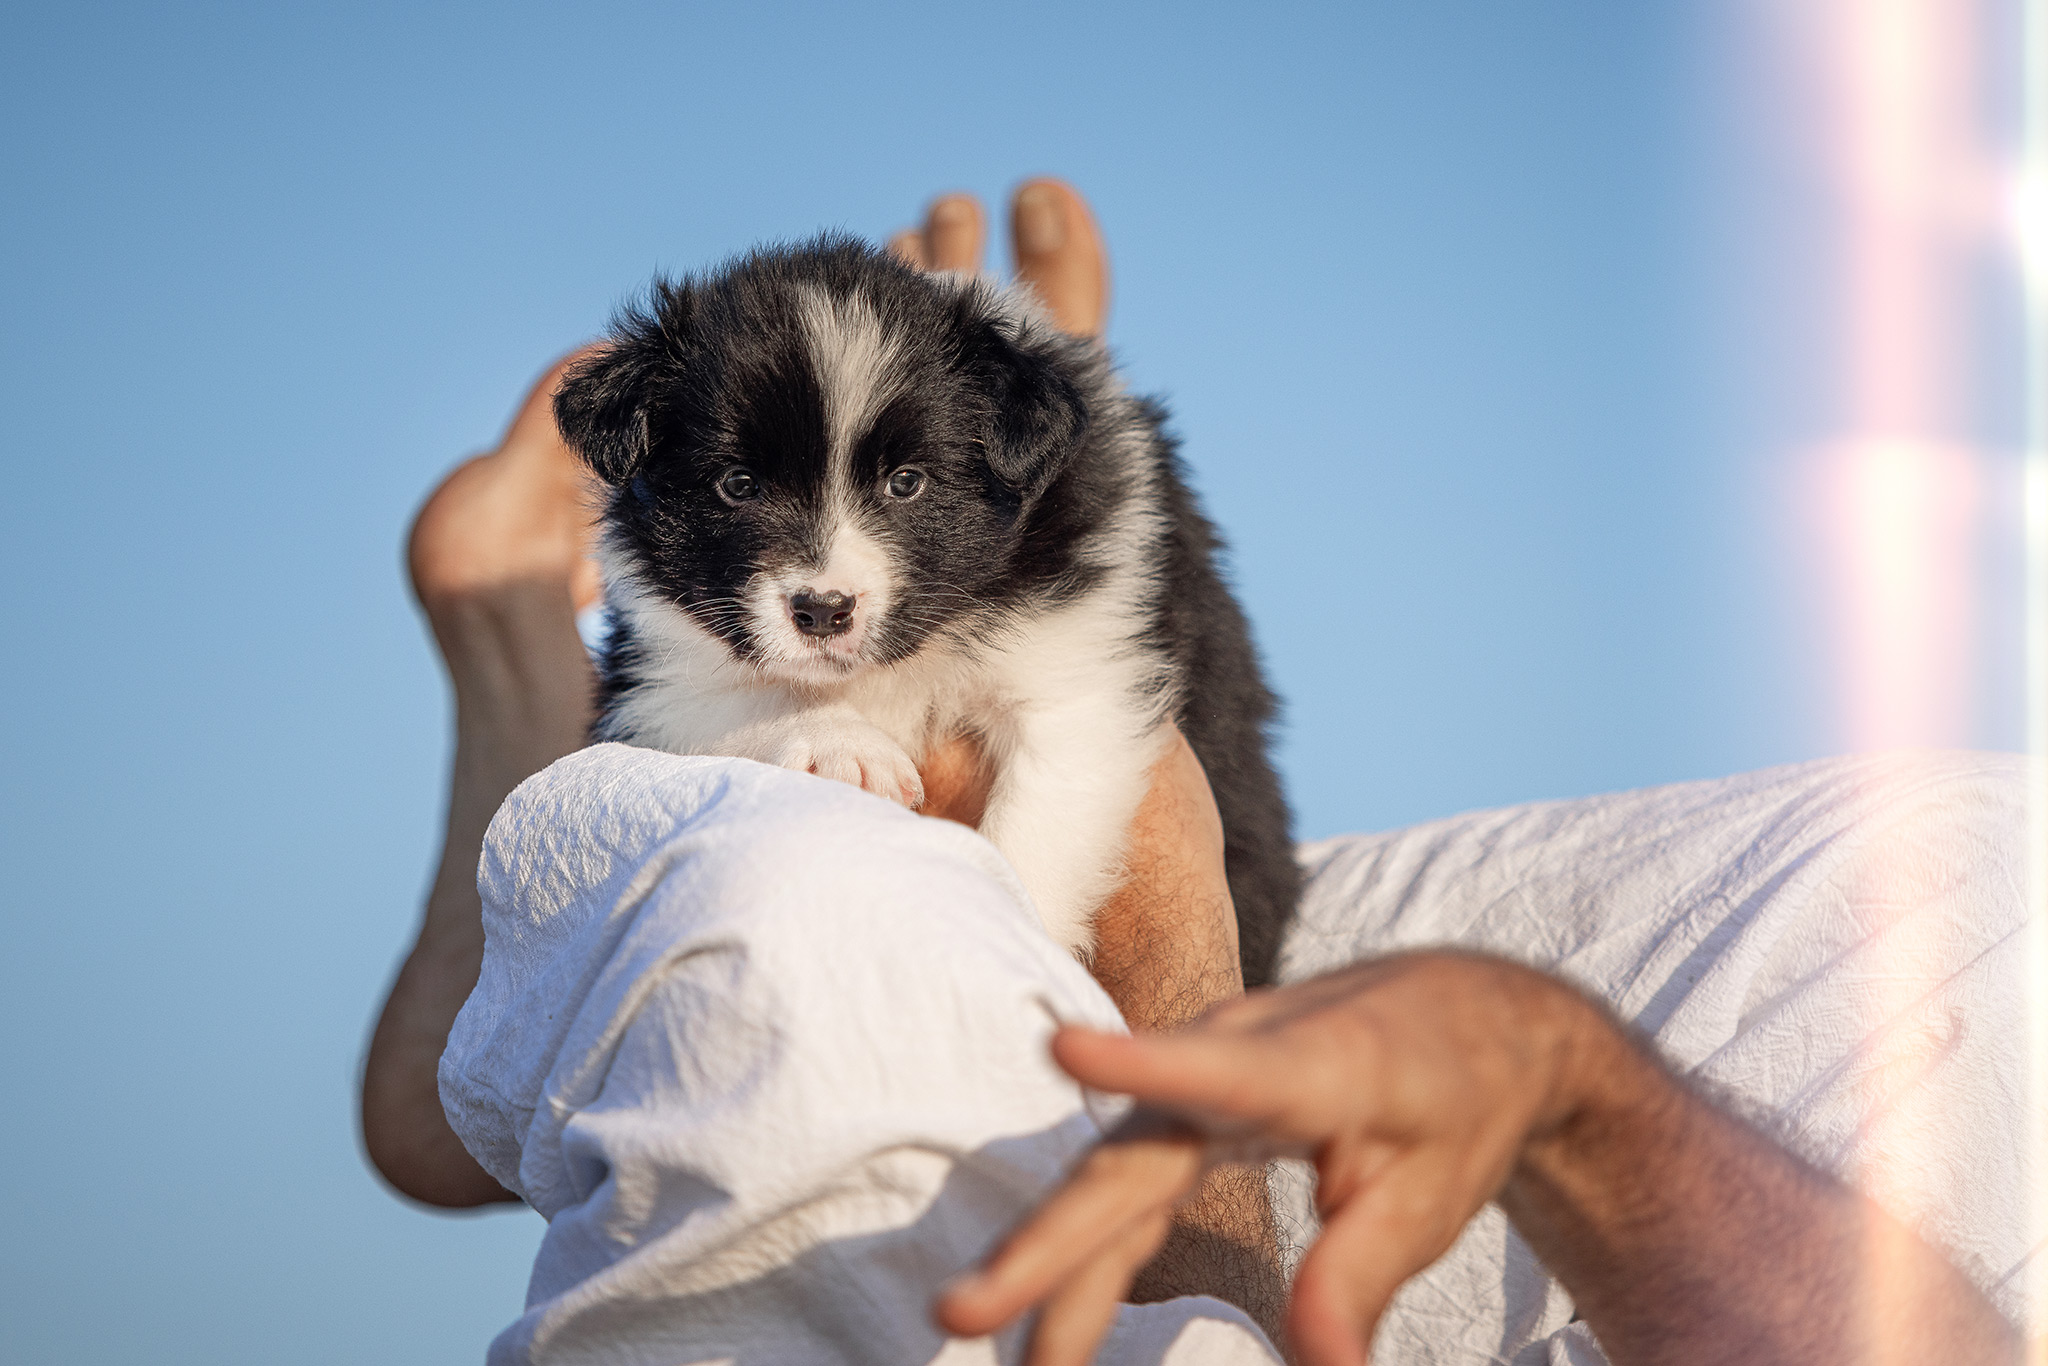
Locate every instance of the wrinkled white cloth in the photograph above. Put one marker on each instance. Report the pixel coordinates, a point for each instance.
(769, 1053)
(1836, 949)
(770, 1056)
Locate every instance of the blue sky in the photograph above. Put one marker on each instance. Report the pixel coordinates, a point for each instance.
(1488, 328)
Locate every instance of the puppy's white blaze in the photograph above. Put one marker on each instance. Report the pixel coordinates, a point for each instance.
(855, 365)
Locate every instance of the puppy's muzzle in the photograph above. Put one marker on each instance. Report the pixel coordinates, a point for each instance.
(821, 614)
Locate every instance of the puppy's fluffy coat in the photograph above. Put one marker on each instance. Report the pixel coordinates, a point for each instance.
(855, 508)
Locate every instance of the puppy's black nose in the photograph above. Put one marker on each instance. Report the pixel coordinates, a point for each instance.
(821, 614)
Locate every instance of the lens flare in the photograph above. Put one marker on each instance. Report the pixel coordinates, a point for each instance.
(1927, 211)
(1900, 495)
(2030, 234)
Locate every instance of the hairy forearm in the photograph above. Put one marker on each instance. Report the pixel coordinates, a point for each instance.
(1686, 1238)
(522, 701)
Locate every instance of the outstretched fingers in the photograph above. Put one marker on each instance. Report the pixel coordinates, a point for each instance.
(1112, 1212)
(1082, 1308)
(1227, 1084)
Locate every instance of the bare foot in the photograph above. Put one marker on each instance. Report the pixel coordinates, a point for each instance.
(1053, 238)
(499, 560)
(522, 514)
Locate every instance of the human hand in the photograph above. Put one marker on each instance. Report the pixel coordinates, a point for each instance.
(1166, 940)
(1414, 1083)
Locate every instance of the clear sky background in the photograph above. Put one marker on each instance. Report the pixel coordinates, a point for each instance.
(1494, 331)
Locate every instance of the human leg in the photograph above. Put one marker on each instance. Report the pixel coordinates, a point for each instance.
(498, 561)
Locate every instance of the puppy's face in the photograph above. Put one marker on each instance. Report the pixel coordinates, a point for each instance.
(822, 458)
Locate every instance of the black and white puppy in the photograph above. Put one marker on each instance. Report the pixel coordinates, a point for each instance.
(855, 508)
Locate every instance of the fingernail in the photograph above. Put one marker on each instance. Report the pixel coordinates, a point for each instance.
(1040, 224)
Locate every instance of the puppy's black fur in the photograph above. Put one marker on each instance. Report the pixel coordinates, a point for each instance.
(1003, 525)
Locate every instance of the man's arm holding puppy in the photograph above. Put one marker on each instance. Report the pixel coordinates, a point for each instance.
(1425, 1085)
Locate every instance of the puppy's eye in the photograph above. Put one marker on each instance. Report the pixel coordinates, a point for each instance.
(905, 483)
(738, 485)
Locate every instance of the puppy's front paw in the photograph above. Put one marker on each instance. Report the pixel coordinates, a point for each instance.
(849, 750)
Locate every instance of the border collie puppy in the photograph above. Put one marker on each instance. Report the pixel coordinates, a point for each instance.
(854, 509)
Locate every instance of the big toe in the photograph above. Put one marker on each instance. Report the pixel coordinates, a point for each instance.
(1060, 254)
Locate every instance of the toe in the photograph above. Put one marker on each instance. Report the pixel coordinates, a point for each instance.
(954, 230)
(908, 247)
(1060, 254)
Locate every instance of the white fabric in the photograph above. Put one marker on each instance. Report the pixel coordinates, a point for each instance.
(1836, 947)
(769, 1053)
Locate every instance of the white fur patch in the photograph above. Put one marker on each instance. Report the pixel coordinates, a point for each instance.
(856, 565)
(854, 362)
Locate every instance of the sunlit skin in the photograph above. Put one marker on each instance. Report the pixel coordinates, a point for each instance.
(499, 560)
(1424, 1085)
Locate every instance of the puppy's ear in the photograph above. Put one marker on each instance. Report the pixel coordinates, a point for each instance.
(602, 403)
(1040, 415)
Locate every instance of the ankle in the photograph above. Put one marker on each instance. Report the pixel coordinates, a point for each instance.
(514, 656)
